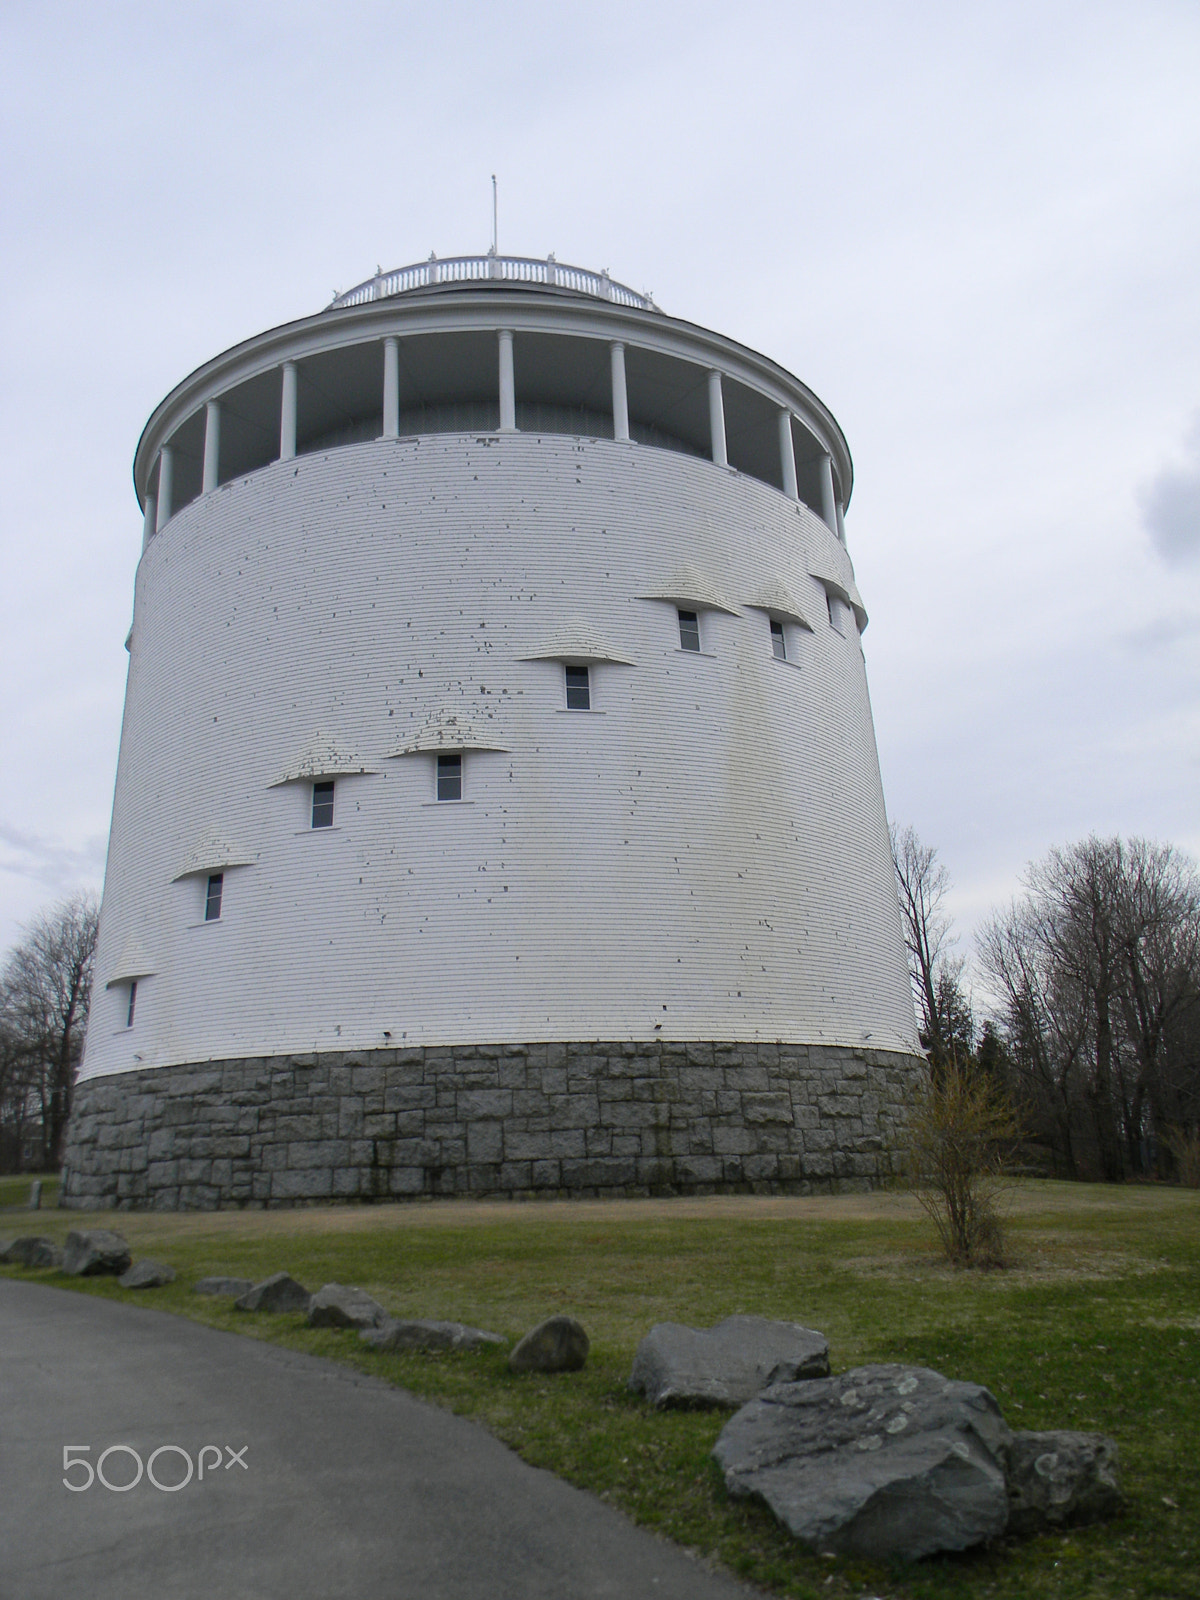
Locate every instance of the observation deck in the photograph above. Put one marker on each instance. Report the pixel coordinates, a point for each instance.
(491, 344)
(458, 271)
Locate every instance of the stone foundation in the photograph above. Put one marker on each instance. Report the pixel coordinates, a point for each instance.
(511, 1120)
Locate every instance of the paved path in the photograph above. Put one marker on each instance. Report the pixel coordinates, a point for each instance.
(349, 1486)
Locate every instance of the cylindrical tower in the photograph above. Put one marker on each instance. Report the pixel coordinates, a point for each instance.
(497, 807)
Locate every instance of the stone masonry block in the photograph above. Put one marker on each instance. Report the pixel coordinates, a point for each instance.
(474, 1104)
(732, 1141)
(312, 1183)
(766, 1108)
(838, 1105)
(747, 1079)
(161, 1144)
(319, 1153)
(598, 1174)
(567, 1143)
(485, 1142)
(698, 1169)
(772, 1138)
(525, 1146)
(232, 1145)
(410, 1097)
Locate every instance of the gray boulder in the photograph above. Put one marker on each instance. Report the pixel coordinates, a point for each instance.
(334, 1306)
(726, 1365)
(146, 1275)
(418, 1334)
(276, 1293)
(234, 1286)
(1060, 1477)
(90, 1255)
(32, 1251)
(883, 1462)
(557, 1345)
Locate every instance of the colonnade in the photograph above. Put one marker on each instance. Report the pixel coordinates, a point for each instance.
(159, 507)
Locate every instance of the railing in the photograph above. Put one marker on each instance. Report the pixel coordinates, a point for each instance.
(505, 269)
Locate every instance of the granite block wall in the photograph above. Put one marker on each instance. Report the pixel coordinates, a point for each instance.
(556, 1119)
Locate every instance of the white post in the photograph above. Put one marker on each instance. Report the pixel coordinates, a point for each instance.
(841, 521)
(828, 503)
(166, 466)
(508, 393)
(391, 387)
(287, 413)
(716, 419)
(149, 520)
(787, 455)
(212, 446)
(620, 395)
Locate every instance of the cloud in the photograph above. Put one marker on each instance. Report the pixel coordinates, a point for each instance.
(1170, 506)
(58, 866)
(1161, 632)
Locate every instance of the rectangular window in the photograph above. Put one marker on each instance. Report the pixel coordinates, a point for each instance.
(689, 630)
(132, 1003)
(449, 777)
(837, 613)
(212, 900)
(322, 806)
(778, 642)
(579, 694)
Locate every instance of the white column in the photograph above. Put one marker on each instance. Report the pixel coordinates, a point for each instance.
(620, 394)
(508, 393)
(828, 503)
(391, 387)
(716, 419)
(149, 519)
(166, 471)
(212, 446)
(287, 413)
(841, 521)
(787, 455)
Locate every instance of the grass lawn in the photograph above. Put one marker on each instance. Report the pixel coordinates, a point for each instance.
(14, 1191)
(1095, 1325)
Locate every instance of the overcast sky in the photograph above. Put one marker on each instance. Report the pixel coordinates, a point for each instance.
(973, 230)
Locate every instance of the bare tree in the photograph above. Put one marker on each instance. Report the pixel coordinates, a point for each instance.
(1097, 970)
(45, 992)
(922, 882)
(15, 1098)
(1158, 933)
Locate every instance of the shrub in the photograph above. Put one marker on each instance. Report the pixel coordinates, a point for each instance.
(960, 1128)
(1184, 1145)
